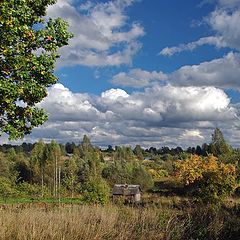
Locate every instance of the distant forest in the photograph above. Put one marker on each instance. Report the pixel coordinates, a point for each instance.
(217, 147)
(43, 170)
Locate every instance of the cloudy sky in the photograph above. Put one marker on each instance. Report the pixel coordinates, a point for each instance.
(149, 72)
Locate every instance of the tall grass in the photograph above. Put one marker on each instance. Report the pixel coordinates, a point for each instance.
(205, 222)
(83, 222)
(76, 222)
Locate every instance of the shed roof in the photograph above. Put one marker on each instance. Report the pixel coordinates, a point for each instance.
(125, 189)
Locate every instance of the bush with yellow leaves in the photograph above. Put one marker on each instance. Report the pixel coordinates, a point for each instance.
(206, 177)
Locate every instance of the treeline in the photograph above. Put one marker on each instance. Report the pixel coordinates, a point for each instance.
(217, 147)
(43, 170)
(50, 170)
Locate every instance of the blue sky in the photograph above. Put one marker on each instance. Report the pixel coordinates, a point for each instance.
(149, 72)
(165, 23)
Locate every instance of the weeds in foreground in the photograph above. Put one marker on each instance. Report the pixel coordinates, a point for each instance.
(83, 222)
(45, 222)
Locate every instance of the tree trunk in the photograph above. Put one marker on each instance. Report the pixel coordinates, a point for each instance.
(42, 181)
(59, 184)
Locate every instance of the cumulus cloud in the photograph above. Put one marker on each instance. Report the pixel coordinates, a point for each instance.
(161, 115)
(223, 73)
(229, 3)
(138, 78)
(103, 36)
(226, 24)
(63, 105)
(189, 104)
(114, 94)
(192, 134)
(224, 21)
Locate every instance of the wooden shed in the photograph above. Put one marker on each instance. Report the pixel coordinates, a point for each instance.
(129, 192)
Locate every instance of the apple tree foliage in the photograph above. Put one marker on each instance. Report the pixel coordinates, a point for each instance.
(29, 43)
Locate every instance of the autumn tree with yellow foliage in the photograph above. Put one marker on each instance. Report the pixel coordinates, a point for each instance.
(206, 177)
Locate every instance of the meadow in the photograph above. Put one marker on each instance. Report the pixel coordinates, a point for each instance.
(168, 218)
(55, 192)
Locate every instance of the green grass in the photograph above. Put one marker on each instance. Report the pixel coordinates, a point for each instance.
(36, 200)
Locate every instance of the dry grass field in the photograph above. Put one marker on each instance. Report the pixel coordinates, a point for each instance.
(83, 222)
(169, 218)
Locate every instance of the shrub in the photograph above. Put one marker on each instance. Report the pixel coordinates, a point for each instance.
(157, 174)
(207, 178)
(142, 177)
(31, 190)
(7, 188)
(96, 190)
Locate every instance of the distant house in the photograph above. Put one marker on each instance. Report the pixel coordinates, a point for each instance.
(129, 192)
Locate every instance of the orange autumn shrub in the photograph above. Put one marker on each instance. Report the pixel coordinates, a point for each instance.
(206, 177)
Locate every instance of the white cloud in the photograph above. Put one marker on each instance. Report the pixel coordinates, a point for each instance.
(138, 78)
(217, 41)
(226, 24)
(223, 72)
(161, 115)
(192, 134)
(229, 3)
(114, 94)
(224, 21)
(188, 104)
(103, 35)
(63, 105)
